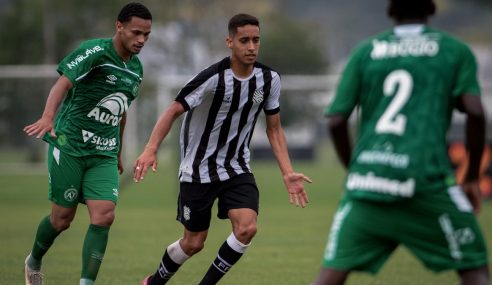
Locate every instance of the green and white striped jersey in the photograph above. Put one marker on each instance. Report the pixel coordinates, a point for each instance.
(103, 88)
(405, 82)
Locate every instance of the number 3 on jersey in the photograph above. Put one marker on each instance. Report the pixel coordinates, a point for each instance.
(391, 121)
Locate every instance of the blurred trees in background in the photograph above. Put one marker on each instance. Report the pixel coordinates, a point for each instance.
(298, 37)
(44, 31)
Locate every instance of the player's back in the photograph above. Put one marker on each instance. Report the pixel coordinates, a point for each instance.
(409, 79)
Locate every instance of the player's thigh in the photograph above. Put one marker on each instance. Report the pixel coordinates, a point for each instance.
(239, 192)
(195, 203)
(360, 237)
(101, 181)
(65, 178)
(442, 231)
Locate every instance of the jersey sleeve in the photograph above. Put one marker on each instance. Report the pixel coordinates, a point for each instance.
(466, 77)
(80, 61)
(348, 89)
(272, 104)
(194, 91)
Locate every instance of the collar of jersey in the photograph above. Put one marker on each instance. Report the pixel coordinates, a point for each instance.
(408, 30)
(243, 78)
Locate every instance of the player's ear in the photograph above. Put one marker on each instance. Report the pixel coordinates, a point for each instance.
(229, 42)
(119, 26)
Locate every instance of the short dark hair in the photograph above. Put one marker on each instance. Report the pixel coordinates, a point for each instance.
(411, 9)
(134, 9)
(240, 20)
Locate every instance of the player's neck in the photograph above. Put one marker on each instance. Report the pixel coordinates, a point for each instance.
(422, 21)
(120, 50)
(240, 69)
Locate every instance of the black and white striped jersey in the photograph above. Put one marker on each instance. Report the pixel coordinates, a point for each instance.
(221, 115)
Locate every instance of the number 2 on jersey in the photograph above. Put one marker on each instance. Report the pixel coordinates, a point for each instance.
(391, 121)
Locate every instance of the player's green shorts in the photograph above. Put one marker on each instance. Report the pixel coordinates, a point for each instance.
(440, 229)
(74, 180)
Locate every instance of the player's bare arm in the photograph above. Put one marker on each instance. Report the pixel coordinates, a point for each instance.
(475, 140)
(338, 130)
(122, 132)
(161, 129)
(45, 123)
(294, 182)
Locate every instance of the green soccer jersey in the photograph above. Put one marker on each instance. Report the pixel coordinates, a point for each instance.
(405, 82)
(103, 88)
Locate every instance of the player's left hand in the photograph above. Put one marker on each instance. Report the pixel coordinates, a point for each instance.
(41, 127)
(147, 159)
(295, 186)
(120, 165)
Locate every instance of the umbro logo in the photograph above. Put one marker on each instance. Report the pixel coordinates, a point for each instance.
(227, 98)
(258, 96)
(87, 135)
(111, 79)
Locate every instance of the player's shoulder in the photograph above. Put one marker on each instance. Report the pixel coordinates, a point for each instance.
(266, 68)
(367, 43)
(216, 67)
(448, 41)
(442, 35)
(99, 43)
(364, 48)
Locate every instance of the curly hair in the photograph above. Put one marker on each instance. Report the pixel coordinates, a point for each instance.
(411, 9)
(134, 10)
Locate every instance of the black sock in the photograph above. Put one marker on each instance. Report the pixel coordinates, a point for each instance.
(223, 262)
(166, 270)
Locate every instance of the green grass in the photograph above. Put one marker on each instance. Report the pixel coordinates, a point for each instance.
(287, 249)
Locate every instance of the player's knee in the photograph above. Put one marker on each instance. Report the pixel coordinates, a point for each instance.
(475, 276)
(61, 223)
(192, 246)
(245, 233)
(102, 216)
(105, 219)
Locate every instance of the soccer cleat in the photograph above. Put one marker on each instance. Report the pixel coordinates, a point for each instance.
(33, 277)
(145, 281)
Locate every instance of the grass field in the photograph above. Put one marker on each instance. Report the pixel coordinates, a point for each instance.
(287, 249)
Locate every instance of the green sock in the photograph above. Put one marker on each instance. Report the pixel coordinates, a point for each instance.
(45, 236)
(95, 243)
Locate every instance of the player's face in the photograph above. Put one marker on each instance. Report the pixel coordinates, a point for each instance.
(245, 44)
(134, 34)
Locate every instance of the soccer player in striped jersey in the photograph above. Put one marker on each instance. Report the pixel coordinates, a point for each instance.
(97, 83)
(222, 104)
(400, 188)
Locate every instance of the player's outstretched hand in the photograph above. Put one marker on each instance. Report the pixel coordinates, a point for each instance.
(41, 127)
(144, 161)
(472, 191)
(295, 186)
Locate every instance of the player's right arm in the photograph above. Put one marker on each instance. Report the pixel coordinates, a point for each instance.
(467, 92)
(346, 99)
(161, 129)
(45, 124)
(188, 98)
(475, 141)
(339, 132)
